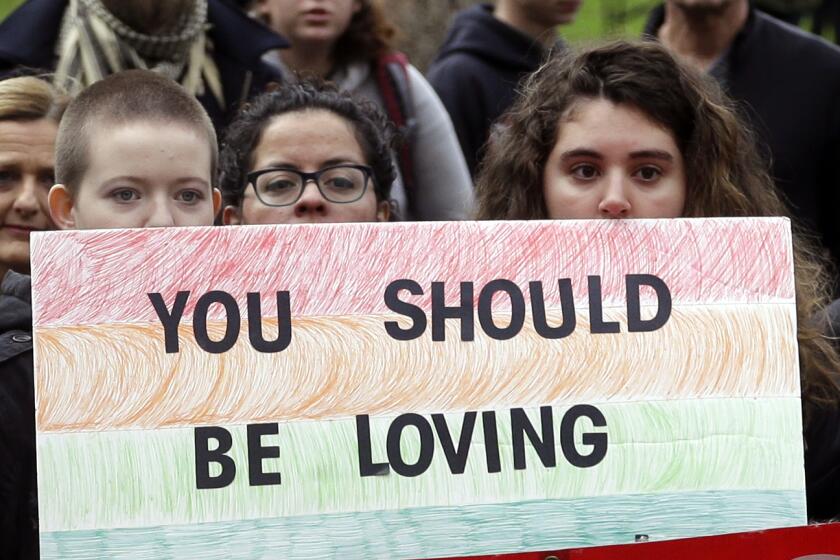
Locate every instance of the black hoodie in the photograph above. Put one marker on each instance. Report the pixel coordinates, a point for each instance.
(477, 71)
(18, 525)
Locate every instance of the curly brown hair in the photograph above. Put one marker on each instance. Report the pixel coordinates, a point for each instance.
(368, 36)
(725, 174)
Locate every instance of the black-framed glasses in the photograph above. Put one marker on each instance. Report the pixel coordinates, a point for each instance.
(282, 186)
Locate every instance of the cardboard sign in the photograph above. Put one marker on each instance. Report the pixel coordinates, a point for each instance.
(413, 390)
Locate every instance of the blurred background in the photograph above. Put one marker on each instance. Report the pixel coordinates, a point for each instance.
(423, 23)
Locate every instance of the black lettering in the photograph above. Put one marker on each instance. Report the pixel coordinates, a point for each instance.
(567, 304)
(170, 319)
(366, 465)
(413, 312)
(464, 312)
(202, 337)
(284, 324)
(520, 425)
(456, 457)
(491, 441)
(517, 309)
(204, 456)
(635, 323)
(427, 445)
(596, 312)
(598, 440)
(257, 452)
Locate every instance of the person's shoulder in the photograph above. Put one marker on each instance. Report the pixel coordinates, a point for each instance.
(780, 38)
(457, 65)
(229, 24)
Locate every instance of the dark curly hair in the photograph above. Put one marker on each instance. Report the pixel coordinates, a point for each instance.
(372, 129)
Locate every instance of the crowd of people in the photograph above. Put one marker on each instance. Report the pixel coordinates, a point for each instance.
(123, 114)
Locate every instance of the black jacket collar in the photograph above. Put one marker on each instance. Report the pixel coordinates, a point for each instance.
(15, 302)
(28, 35)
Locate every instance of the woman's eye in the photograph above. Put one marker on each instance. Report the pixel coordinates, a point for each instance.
(280, 185)
(47, 179)
(125, 195)
(585, 171)
(340, 183)
(190, 197)
(7, 177)
(648, 173)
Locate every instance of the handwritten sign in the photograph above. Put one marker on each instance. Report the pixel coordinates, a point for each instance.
(414, 390)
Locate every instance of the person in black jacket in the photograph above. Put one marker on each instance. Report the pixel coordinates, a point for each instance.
(18, 514)
(211, 47)
(486, 53)
(787, 85)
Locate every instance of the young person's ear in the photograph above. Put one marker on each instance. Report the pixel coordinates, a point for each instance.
(383, 211)
(217, 202)
(61, 207)
(231, 216)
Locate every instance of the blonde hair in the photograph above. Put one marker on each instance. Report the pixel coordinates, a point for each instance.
(28, 98)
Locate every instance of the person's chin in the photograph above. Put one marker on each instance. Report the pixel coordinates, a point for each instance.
(317, 35)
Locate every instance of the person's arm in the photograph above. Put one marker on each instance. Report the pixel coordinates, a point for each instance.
(442, 185)
(18, 518)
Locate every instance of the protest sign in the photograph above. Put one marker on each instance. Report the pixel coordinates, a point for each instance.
(414, 390)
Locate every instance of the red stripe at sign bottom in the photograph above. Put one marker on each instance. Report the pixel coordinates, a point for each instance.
(814, 542)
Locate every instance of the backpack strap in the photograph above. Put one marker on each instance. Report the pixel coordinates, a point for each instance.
(395, 87)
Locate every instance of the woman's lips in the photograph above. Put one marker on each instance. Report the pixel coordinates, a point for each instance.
(317, 15)
(20, 232)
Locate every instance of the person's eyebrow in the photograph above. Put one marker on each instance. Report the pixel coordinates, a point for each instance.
(341, 160)
(652, 154)
(191, 179)
(580, 152)
(129, 178)
(278, 163)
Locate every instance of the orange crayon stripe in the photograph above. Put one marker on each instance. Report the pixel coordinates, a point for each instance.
(106, 377)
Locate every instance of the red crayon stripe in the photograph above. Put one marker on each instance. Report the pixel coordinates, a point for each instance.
(103, 276)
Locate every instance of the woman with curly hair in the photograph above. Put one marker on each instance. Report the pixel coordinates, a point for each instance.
(348, 42)
(307, 153)
(625, 131)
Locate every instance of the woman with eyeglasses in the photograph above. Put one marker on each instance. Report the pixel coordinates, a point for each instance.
(307, 153)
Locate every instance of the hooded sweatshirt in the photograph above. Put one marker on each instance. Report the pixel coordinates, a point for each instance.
(477, 71)
(18, 524)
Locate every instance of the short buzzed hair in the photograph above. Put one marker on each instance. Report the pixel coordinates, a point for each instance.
(125, 97)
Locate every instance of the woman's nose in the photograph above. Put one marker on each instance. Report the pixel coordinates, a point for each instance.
(615, 202)
(310, 203)
(160, 215)
(26, 202)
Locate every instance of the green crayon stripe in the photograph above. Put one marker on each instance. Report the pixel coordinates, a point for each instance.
(147, 478)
